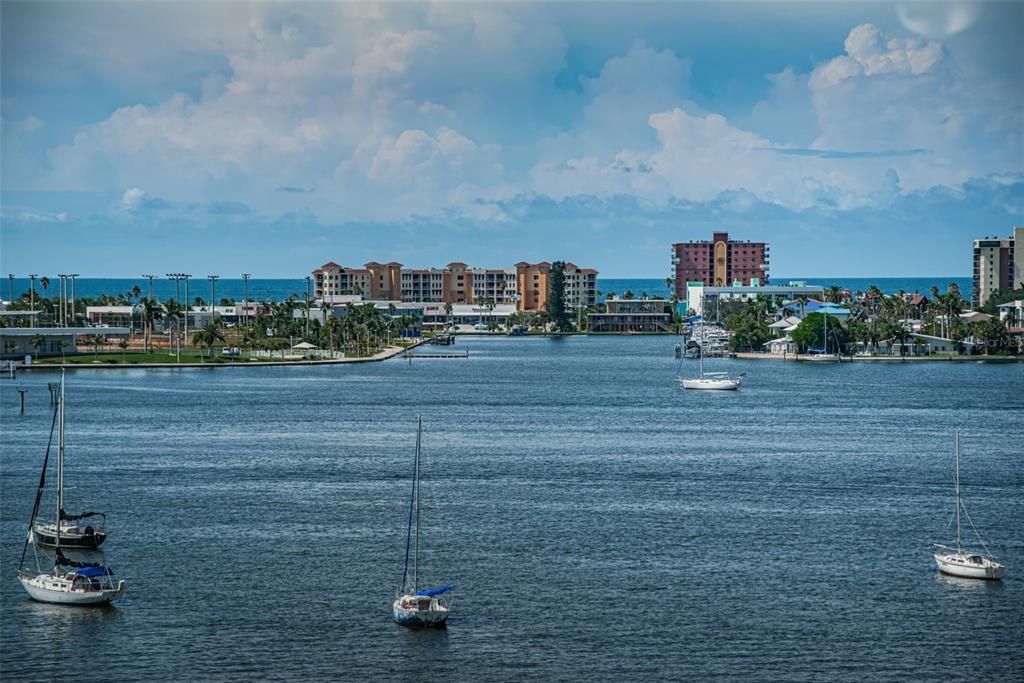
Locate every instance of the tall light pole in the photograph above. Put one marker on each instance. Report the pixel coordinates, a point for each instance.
(213, 296)
(186, 276)
(62, 310)
(307, 305)
(150, 277)
(176, 277)
(32, 291)
(245, 299)
(73, 315)
(10, 276)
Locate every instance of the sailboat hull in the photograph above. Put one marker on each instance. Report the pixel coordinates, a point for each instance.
(434, 617)
(44, 588)
(969, 566)
(710, 384)
(45, 535)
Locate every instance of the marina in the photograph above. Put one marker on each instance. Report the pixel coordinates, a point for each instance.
(571, 473)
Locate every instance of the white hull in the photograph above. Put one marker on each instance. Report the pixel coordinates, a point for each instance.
(407, 612)
(969, 566)
(710, 384)
(821, 358)
(59, 591)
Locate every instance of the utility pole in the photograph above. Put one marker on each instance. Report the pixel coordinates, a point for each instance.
(245, 299)
(188, 305)
(32, 292)
(307, 305)
(62, 309)
(73, 316)
(213, 296)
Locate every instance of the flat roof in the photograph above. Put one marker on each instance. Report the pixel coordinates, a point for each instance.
(60, 331)
(762, 289)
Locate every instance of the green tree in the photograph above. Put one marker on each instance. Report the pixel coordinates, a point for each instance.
(556, 304)
(208, 336)
(810, 333)
(749, 328)
(38, 341)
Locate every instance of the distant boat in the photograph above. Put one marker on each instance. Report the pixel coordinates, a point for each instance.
(69, 582)
(822, 355)
(709, 381)
(415, 606)
(959, 561)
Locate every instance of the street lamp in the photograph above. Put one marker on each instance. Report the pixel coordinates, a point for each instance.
(32, 291)
(62, 311)
(245, 298)
(72, 276)
(213, 296)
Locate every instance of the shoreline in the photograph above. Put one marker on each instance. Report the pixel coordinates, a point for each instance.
(386, 354)
(792, 358)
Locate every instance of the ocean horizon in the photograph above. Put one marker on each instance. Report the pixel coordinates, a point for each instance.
(279, 289)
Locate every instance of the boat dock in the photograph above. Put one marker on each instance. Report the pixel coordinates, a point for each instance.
(435, 354)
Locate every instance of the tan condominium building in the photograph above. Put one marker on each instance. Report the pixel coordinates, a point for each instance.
(998, 264)
(526, 285)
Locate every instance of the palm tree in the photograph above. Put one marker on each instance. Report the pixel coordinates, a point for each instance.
(97, 341)
(208, 336)
(37, 342)
(150, 311)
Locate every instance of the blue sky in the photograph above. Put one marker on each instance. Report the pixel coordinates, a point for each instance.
(859, 139)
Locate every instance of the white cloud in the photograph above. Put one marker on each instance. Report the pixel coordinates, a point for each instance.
(133, 198)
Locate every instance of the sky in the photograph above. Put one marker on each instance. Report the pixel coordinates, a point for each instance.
(858, 139)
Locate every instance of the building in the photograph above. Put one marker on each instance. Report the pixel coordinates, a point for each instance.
(720, 262)
(997, 265)
(524, 286)
(697, 295)
(632, 315)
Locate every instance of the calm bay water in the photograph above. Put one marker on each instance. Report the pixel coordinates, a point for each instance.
(600, 522)
(281, 289)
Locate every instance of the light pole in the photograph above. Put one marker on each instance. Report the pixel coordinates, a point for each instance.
(73, 316)
(62, 311)
(186, 276)
(245, 299)
(150, 277)
(213, 296)
(176, 277)
(32, 291)
(307, 305)
(10, 276)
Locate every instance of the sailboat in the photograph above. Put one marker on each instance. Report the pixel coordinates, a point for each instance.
(713, 381)
(69, 582)
(415, 606)
(822, 355)
(959, 561)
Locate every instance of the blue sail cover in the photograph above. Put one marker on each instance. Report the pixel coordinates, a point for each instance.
(431, 592)
(93, 572)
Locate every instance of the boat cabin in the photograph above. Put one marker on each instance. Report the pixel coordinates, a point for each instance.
(419, 603)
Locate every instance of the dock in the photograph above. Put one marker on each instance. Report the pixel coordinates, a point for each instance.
(436, 354)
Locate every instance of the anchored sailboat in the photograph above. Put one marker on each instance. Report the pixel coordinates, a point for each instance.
(417, 606)
(720, 381)
(958, 561)
(69, 582)
(822, 355)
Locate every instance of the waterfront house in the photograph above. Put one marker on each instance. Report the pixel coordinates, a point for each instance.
(632, 315)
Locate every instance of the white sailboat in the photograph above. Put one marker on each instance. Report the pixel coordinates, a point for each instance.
(959, 561)
(69, 582)
(415, 606)
(709, 381)
(822, 355)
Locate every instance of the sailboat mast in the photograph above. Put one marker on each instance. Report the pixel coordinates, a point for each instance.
(416, 555)
(60, 461)
(957, 486)
(700, 345)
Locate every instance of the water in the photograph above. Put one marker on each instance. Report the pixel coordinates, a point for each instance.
(281, 289)
(601, 523)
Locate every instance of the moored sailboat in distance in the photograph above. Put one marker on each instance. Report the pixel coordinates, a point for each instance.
(713, 381)
(415, 606)
(69, 582)
(959, 561)
(822, 355)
